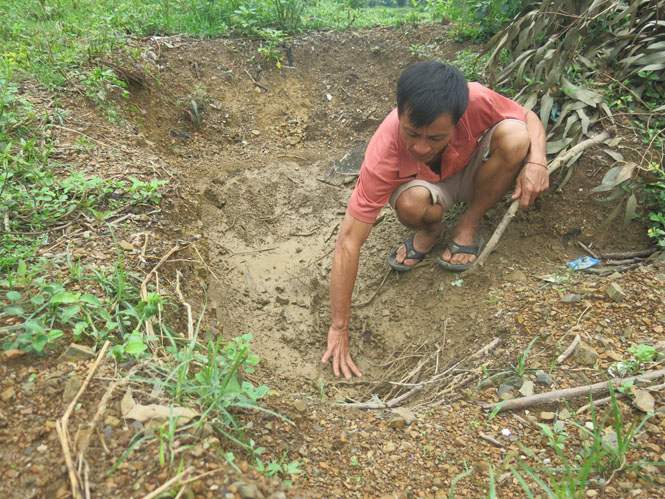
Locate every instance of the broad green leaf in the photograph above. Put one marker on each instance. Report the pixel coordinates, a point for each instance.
(79, 328)
(136, 348)
(39, 341)
(584, 119)
(37, 300)
(22, 268)
(32, 326)
(13, 296)
(64, 297)
(13, 310)
(69, 312)
(54, 334)
(91, 300)
(612, 198)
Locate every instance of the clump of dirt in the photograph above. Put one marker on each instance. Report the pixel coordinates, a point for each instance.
(252, 182)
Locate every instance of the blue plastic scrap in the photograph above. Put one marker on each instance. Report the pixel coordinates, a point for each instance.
(583, 263)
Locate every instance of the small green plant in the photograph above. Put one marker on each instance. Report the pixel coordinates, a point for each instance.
(604, 451)
(289, 13)
(518, 369)
(467, 471)
(107, 307)
(280, 467)
(420, 51)
(642, 354)
(272, 40)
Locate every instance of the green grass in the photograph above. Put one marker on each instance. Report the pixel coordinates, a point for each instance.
(596, 459)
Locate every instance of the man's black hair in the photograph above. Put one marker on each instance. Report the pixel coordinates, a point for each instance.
(429, 89)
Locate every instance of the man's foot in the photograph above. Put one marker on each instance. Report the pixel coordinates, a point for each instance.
(455, 249)
(407, 255)
(460, 257)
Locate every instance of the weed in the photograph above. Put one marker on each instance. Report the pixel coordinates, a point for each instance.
(279, 467)
(604, 452)
(467, 471)
(641, 355)
(518, 369)
(420, 51)
(272, 40)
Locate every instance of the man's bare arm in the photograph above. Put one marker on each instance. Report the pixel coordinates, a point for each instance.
(352, 236)
(533, 179)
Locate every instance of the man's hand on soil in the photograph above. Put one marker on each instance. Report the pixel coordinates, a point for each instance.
(530, 183)
(339, 351)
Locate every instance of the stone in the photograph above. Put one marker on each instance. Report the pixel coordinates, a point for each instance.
(72, 386)
(544, 379)
(615, 292)
(644, 401)
(28, 388)
(627, 332)
(547, 416)
(77, 353)
(112, 421)
(389, 447)
(516, 276)
(126, 246)
(11, 354)
(611, 439)
(586, 355)
(504, 389)
(405, 414)
(249, 491)
(8, 394)
(299, 405)
(397, 422)
(527, 388)
(571, 298)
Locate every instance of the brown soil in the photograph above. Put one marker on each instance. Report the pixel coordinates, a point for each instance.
(251, 182)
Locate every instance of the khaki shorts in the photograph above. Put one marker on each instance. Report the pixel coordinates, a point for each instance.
(459, 187)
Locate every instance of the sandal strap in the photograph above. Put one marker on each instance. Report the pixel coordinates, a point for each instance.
(411, 252)
(457, 248)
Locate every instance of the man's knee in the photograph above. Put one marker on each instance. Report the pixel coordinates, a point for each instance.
(512, 139)
(412, 205)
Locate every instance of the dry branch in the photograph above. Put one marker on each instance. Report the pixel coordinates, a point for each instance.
(558, 161)
(568, 393)
(176, 480)
(569, 350)
(391, 403)
(144, 283)
(61, 427)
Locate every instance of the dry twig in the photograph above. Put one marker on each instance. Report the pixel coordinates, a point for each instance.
(168, 485)
(558, 161)
(568, 393)
(63, 433)
(568, 351)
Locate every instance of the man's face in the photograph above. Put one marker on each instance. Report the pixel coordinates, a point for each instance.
(427, 142)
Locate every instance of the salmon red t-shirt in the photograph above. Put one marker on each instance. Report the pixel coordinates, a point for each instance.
(388, 164)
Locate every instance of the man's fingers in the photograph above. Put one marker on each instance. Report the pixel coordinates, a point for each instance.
(525, 200)
(353, 367)
(345, 370)
(326, 356)
(335, 366)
